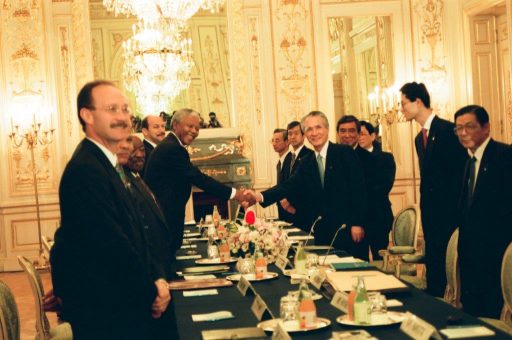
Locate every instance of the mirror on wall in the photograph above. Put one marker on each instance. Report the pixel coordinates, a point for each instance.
(361, 63)
(210, 87)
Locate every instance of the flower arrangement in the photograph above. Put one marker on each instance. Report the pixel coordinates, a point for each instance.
(243, 239)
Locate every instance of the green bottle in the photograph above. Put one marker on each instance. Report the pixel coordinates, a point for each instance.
(300, 260)
(362, 308)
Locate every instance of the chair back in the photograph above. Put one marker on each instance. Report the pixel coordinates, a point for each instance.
(9, 317)
(42, 324)
(406, 227)
(506, 285)
(452, 291)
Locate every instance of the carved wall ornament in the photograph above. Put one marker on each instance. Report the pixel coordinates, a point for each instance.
(255, 67)
(214, 172)
(431, 14)
(241, 171)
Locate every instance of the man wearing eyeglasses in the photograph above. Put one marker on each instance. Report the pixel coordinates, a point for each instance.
(485, 227)
(441, 162)
(101, 266)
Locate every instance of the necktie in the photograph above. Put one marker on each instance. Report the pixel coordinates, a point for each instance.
(122, 175)
(148, 191)
(321, 170)
(424, 133)
(471, 179)
(292, 162)
(278, 168)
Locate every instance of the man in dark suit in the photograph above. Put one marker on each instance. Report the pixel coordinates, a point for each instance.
(386, 169)
(101, 266)
(298, 207)
(485, 225)
(170, 173)
(380, 216)
(441, 162)
(337, 193)
(153, 130)
(281, 147)
(160, 240)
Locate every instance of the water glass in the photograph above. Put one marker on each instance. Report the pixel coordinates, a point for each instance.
(213, 251)
(378, 302)
(208, 219)
(288, 308)
(311, 263)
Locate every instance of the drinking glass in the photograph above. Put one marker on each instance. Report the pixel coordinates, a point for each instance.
(377, 302)
(311, 263)
(289, 308)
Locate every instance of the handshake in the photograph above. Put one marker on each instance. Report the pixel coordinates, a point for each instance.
(248, 197)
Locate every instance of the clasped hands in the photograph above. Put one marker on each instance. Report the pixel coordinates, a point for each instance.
(247, 197)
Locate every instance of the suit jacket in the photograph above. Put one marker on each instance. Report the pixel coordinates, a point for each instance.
(485, 231)
(342, 199)
(283, 176)
(170, 175)
(385, 178)
(148, 148)
(101, 267)
(161, 240)
(303, 217)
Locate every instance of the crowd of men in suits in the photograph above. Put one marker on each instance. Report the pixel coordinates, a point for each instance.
(123, 204)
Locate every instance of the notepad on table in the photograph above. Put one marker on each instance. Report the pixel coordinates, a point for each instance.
(374, 281)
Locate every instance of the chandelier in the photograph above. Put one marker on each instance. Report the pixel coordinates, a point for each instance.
(158, 57)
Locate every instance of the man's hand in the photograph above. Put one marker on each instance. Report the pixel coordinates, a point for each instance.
(251, 197)
(51, 303)
(162, 299)
(287, 206)
(357, 233)
(243, 199)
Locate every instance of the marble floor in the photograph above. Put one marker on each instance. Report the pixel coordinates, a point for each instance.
(19, 285)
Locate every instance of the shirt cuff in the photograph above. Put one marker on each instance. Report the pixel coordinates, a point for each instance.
(262, 198)
(233, 193)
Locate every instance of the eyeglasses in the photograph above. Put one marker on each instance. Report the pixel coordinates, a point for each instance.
(469, 127)
(113, 109)
(351, 130)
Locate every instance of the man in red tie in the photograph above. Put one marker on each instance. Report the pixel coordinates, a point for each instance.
(441, 161)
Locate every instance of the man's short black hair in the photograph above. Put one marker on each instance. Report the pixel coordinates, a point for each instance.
(84, 98)
(480, 113)
(293, 124)
(145, 123)
(413, 91)
(369, 127)
(284, 132)
(349, 119)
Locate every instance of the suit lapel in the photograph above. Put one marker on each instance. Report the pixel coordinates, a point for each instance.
(483, 170)
(431, 141)
(329, 164)
(144, 191)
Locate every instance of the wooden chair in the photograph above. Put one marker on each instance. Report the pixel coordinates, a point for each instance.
(9, 317)
(452, 291)
(44, 332)
(403, 241)
(505, 321)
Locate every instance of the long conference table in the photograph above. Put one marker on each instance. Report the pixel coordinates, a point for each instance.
(426, 307)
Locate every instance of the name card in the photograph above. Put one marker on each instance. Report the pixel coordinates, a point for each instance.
(318, 278)
(280, 332)
(340, 301)
(417, 328)
(188, 257)
(282, 262)
(259, 307)
(189, 246)
(284, 251)
(245, 287)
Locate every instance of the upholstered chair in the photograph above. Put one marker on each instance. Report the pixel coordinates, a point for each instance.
(9, 318)
(452, 291)
(44, 332)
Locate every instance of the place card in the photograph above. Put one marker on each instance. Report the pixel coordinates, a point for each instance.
(199, 277)
(197, 239)
(280, 332)
(300, 238)
(318, 278)
(201, 292)
(189, 246)
(284, 251)
(260, 309)
(282, 262)
(293, 230)
(220, 315)
(340, 301)
(418, 328)
(394, 303)
(245, 287)
(188, 257)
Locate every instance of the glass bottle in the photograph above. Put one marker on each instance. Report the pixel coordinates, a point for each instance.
(260, 263)
(224, 250)
(307, 308)
(300, 260)
(362, 307)
(212, 250)
(215, 216)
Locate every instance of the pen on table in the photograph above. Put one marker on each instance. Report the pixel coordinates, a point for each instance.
(229, 273)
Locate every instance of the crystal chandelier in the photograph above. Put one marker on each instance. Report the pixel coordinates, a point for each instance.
(158, 63)
(158, 57)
